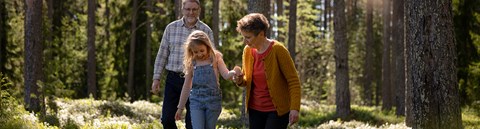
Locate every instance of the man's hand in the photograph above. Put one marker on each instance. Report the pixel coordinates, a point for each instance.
(293, 117)
(178, 115)
(155, 86)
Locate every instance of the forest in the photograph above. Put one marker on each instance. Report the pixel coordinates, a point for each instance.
(361, 63)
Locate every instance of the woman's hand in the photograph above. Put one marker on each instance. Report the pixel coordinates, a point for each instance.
(238, 78)
(293, 118)
(178, 115)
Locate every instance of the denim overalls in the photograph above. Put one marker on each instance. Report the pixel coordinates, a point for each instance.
(205, 97)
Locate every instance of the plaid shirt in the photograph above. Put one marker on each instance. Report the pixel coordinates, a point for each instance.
(170, 54)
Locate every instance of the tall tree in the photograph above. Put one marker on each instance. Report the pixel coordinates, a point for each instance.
(432, 57)
(178, 9)
(131, 59)
(33, 54)
(342, 92)
(260, 6)
(326, 13)
(368, 66)
(148, 52)
(387, 98)
(3, 36)
(216, 22)
(279, 4)
(398, 56)
(292, 28)
(92, 78)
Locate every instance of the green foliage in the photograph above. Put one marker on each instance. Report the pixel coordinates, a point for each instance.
(15, 46)
(471, 116)
(65, 59)
(466, 21)
(13, 114)
(315, 66)
(231, 45)
(314, 114)
(89, 113)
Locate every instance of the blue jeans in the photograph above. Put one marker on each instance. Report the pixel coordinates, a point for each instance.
(205, 108)
(173, 88)
(267, 120)
(204, 118)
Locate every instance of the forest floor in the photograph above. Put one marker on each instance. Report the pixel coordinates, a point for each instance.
(89, 113)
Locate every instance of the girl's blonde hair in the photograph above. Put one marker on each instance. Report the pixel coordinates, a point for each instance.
(196, 38)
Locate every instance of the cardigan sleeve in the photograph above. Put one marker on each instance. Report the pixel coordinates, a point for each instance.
(289, 71)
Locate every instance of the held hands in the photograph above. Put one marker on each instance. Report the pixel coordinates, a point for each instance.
(238, 78)
(155, 86)
(178, 115)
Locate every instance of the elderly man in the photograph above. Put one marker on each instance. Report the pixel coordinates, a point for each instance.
(170, 60)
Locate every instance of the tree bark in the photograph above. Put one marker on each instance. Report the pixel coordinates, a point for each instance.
(263, 7)
(281, 35)
(341, 59)
(216, 22)
(33, 54)
(368, 72)
(3, 36)
(387, 98)
(326, 10)
(148, 51)
(292, 28)
(92, 79)
(178, 9)
(398, 56)
(432, 59)
(131, 59)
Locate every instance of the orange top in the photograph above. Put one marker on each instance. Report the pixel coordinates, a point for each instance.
(282, 79)
(260, 99)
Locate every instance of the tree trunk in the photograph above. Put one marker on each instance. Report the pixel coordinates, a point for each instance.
(3, 36)
(260, 6)
(178, 9)
(432, 59)
(202, 12)
(342, 92)
(131, 59)
(368, 72)
(33, 54)
(408, 76)
(148, 64)
(398, 57)
(292, 28)
(281, 35)
(50, 17)
(326, 5)
(387, 98)
(92, 87)
(216, 22)
(107, 26)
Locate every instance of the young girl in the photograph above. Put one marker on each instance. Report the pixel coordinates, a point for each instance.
(202, 66)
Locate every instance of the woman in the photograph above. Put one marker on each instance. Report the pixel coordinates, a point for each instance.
(273, 86)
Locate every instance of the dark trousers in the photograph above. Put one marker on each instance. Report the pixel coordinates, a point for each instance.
(173, 89)
(267, 120)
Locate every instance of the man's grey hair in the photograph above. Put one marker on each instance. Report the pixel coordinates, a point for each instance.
(185, 1)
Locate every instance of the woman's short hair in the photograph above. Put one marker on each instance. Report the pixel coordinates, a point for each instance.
(253, 23)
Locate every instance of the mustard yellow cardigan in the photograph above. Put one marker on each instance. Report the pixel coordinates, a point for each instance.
(282, 78)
